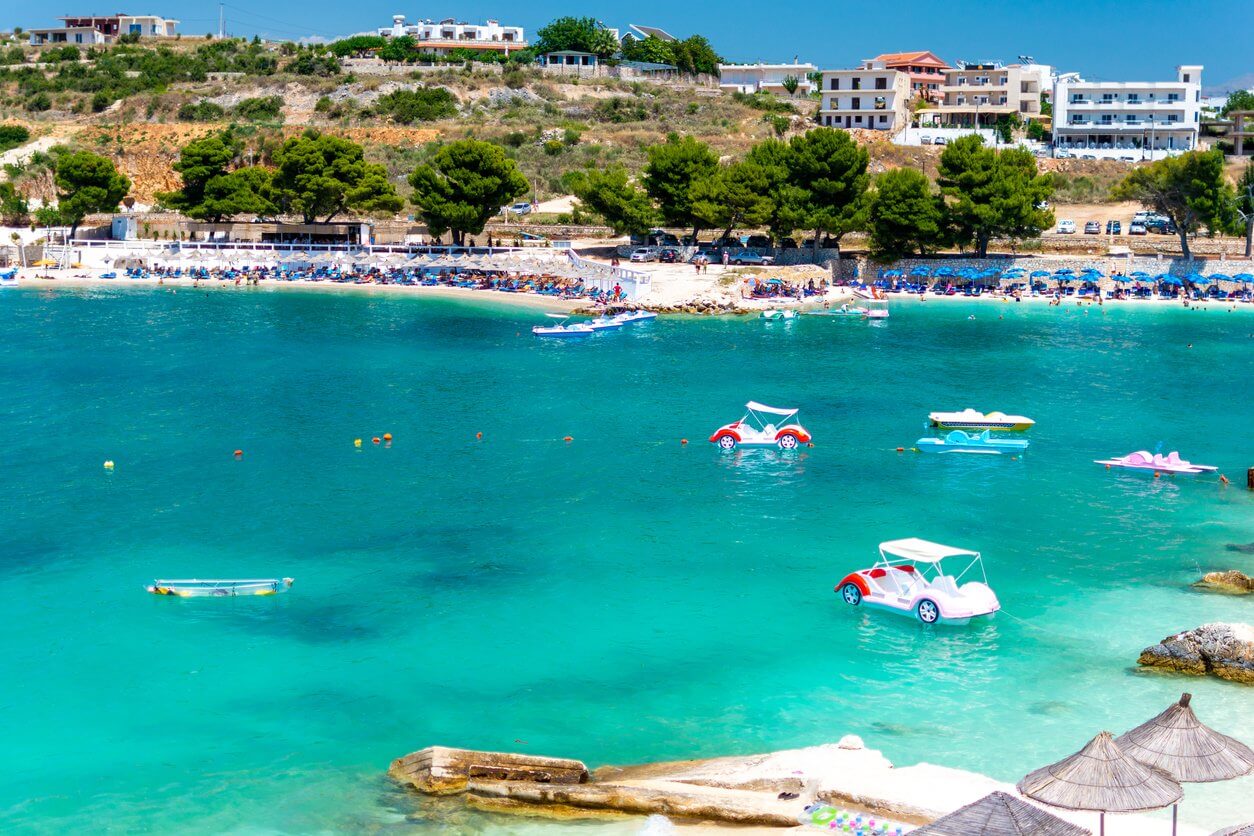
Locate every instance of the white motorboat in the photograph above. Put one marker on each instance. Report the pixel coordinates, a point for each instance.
(777, 313)
(636, 316)
(908, 579)
(563, 328)
(605, 323)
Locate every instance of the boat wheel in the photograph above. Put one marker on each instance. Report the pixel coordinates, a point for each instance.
(928, 612)
(788, 442)
(851, 594)
(727, 442)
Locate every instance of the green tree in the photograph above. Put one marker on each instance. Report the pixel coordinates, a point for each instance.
(1244, 206)
(1190, 189)
(244, 191)
(399, 50)
(829, 170)
(905, 218)
(622, 204)
(992, 194)
(774, 158)
(358, 45)
(315, 63)
(463, 185)
(791, 83)
(674, 168)
(87, 183)
(318, 174)
(11, 136)
(200, 161)
(651, 49)
(580, 34)
(735, 196)
(1238, 100)
(13, 206)
(695, 55)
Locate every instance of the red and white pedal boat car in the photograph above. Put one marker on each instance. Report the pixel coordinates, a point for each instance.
(760, 428)
(909, 579)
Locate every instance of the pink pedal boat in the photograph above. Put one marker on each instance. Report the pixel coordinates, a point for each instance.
(1144, 460)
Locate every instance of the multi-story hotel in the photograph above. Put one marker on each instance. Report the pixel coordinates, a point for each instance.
(976, 95)
(925, 70)
(1128, 118)
(440, 37)
(872, 98)
(104, 29)
(752, 78)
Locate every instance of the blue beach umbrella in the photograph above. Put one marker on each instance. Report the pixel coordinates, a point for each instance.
(944, 272)
(1139, 274)
(1247, 278)
(1040, 274)
(1220, 277)
(1013, 273)
(1123, 279)
(1199, 279)
(892, 274)
(921, 270)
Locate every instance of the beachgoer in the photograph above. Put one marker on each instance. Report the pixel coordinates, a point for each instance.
(726, 258)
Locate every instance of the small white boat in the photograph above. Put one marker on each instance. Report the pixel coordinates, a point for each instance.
(563, 329)
(196, 588)
(604, 323)
(844, 310)
(971, 419)
(908, 579)
(776, 313)
(635, 316)
(1157, 462)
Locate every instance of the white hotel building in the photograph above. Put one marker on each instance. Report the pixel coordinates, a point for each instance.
(753, 78)
(872, 98)
(445, 35)
(1142, 119)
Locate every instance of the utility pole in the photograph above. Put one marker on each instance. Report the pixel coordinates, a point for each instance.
(221, 21)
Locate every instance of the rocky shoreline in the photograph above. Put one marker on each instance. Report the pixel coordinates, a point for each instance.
(1223, 650)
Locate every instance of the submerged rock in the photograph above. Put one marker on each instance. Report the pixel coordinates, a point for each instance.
(1231, 581)
(1247, 548)
(1225, 650)
(439, 770)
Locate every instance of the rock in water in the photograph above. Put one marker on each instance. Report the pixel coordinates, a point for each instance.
(1248, 548)
(1225, 650)
(1231, 581)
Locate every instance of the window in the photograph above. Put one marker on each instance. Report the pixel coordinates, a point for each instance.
(857, 83)
(881, 83)
(857, 120)
(962, 79)
(883, 119)
(1003, 100)
(1077, 98)
(835, 84)
(1077, 119)
(1173, 117)
(855, 103)
(1108, 97)
(78, 38)
(1173, 97)
(880, 103)
(1186, 78)
(1107, 119)
(1134, 98)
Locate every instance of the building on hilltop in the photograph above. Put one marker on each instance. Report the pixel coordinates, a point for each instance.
(94, 30)
(638, 32)
(874, 97)
(924, 69)
(1143, 119)
(441, 37)
(979, 95)
(754, 78)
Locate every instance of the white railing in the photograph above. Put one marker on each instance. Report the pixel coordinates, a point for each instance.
(635, 284)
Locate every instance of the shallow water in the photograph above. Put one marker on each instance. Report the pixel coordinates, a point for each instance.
(618, 598)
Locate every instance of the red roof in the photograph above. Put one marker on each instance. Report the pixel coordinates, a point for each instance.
(923, 58)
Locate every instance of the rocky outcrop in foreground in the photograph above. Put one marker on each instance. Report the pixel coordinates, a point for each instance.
(1232, 582)
(1225, 650)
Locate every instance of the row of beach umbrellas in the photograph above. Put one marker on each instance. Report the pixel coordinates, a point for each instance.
(1140, 770)
(1063, 274)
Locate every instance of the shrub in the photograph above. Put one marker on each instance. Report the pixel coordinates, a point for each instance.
(553, 147)
(514, 79)
(263, 109)
(619, 110)
(515, 139)
(200, 112)
(571, 137)
(422, 105)
(763, 101)
(323, 105)
(11, 136)
(100, 101)
(39, 102)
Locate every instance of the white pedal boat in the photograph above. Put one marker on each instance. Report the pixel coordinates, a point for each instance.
(908, 579)
(971, 419)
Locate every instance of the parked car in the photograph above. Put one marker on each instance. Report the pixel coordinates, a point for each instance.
(925, 140)
(758, 242)
(1114, 228)
(1063, 154)
(1136, 228)
(726, 241)
(751, 258)
(668, 256)
(704, 253)
(1088, 156)
(1066, 227)
(1160, 226)
(643, 254)
(1127, 158)
(940, 140)
(1092, 228)
(1142, 217)
(520, 209)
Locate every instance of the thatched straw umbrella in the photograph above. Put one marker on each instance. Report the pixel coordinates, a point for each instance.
(1000, 814)
(1177, 743)
(1236, 830)
(1102, 777)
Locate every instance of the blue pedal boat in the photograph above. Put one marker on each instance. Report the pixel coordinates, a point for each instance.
(961, 442)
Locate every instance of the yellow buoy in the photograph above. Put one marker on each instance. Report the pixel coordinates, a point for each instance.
(356, 442)
(108, 465)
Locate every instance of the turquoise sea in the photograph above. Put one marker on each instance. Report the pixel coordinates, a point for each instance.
(618, 598)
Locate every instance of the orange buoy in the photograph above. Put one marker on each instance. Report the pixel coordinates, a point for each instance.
(683, 441)
(374, 440)
(479, 435)
(901, 449)
(1157, 474)
(810, 444)
(387, 436)
(1108, 467)
(567, 438)
(1223, 479)
(239, 454)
